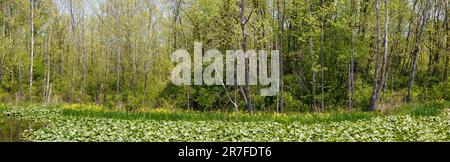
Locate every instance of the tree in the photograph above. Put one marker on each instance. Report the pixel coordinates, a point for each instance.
(312, 57)
(2, 62)
(386, 49)
(351, 71)
(446, 67)
(322, 59)
(281, 21)
(374, 97)
(419, 32)
(246, 89)
(115, 53)
(72, 84)
(83, 51)
(32, 46)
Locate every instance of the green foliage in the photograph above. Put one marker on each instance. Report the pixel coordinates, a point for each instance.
(362, 97)
(95, 111)
(136, 42)
(440, 91)
(390, 128)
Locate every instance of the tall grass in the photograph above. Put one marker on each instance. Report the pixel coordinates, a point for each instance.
(308, 118)
(432, 108)
(422, 109)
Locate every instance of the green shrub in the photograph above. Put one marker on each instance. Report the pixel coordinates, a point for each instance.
(428, 109)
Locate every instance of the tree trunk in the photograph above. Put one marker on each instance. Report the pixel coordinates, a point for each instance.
(386, 48)
(412, 73)
(313, 68)
(281, 18)
(351, 79)
(47, 64)
(374, 97)
(322, 62)
(20, 77)
(3, 53)
(246, 89)
(48, 87)
(147, 60)
(117, 73)
(106, 70)
(446, 67)
(417, 47)
(99, 64)
(11, 47)
(49, 95)
(83, 53)
(72, 83)
(32, 47)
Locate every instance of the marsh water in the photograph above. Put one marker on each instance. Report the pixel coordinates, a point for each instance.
(11, 130)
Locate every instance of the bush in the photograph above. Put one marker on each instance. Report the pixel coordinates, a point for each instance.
(428, 109)
(441, 91)
(362, 96)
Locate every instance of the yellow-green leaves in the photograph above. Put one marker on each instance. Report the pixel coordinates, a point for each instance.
(390, 128)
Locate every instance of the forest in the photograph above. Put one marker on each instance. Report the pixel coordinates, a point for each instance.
(351, 54)
(112, 58)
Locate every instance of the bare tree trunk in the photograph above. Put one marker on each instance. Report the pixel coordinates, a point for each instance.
(412, 73)
(322, 62)
(374, 97)
(99, 64)
(281, 18)
(117, 73)
(148, 57)
(2, 62)
(351, 81)
(11, 47)
(32, 47)
(446, 67)
(350, 84)
(106, 70)
(72, 83)
(417, 48)
(385, 85)
(47, 40)
(20, 77)
(45, 63)
(83, 52)
(246, 89)
(117, 43)
(386, 48)
(146, 79)
(49, 94)
(313, 66)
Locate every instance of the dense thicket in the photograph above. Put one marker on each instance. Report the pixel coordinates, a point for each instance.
(352, 54)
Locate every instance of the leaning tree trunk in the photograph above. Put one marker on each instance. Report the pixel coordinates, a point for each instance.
(417, 47)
